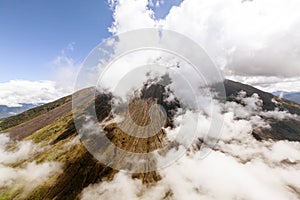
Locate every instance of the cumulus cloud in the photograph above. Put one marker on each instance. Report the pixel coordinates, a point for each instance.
(123, 187)
(280, 115)
(22, 151)
(143, 17)
(15, 92)
(27, 175)
(238, 167)
(245, 38)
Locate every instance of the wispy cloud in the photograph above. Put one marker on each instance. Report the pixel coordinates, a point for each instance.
(65, 68)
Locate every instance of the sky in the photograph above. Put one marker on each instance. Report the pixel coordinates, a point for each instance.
(33, 34)
(43, 43)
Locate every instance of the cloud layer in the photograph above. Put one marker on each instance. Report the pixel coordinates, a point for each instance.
(244, 38)
(28, 175)
(256, 39)
(238, 167)
(270, 83)
(15, 92)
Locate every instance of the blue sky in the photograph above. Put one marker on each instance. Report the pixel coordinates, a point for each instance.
(34, 32)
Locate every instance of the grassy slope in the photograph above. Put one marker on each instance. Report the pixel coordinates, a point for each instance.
(80, 168)
(13, 121)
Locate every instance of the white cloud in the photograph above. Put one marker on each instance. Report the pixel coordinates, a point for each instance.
(123, 188)
(245, 38)
(140, 17)
(239, 166)
(270, 83)
(27, 175)
(251, 39)
(15, 92)
(24, 149)
(65, 69)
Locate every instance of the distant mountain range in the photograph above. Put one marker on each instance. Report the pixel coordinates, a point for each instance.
(292, 96)
(6, 111)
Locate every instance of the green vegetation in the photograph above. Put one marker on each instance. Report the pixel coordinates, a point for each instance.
(32, 113)
(57, 137)
(52, 131)
(290, 106)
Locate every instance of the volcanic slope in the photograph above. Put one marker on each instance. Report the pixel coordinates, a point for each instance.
(52, 130)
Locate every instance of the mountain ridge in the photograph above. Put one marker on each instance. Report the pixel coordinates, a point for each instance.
(291, 96)
(51, 125)
(6, 111)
